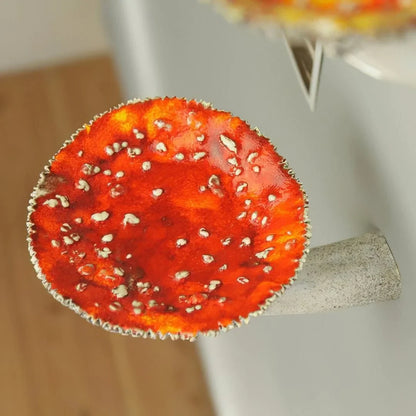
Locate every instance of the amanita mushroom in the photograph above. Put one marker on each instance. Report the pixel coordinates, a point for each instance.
(167, 217)
(325, 18)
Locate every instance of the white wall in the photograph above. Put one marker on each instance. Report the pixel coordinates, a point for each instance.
(356, 157)
(38, 32)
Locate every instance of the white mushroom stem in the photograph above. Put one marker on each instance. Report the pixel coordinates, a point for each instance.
(348, 273)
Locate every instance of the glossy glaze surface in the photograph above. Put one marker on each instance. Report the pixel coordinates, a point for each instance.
(327, 17)
(169, 216)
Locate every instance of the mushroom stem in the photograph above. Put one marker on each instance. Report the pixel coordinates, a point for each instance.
(353, 272)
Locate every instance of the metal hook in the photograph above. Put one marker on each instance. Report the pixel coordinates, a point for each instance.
(307, 57)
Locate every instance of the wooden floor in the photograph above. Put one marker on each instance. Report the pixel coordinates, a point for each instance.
(51, 361)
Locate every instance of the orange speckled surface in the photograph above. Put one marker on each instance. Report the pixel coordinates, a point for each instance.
(327, 17)
(167, 216)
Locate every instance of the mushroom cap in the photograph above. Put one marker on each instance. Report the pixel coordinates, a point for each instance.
(166, 217)
(325, 18)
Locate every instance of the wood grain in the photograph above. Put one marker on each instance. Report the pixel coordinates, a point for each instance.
(53, 362)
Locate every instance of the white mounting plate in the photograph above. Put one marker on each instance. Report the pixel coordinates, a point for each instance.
(392, 59)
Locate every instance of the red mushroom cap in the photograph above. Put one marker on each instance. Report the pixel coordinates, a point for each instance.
(325, 18)
(167, 217)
